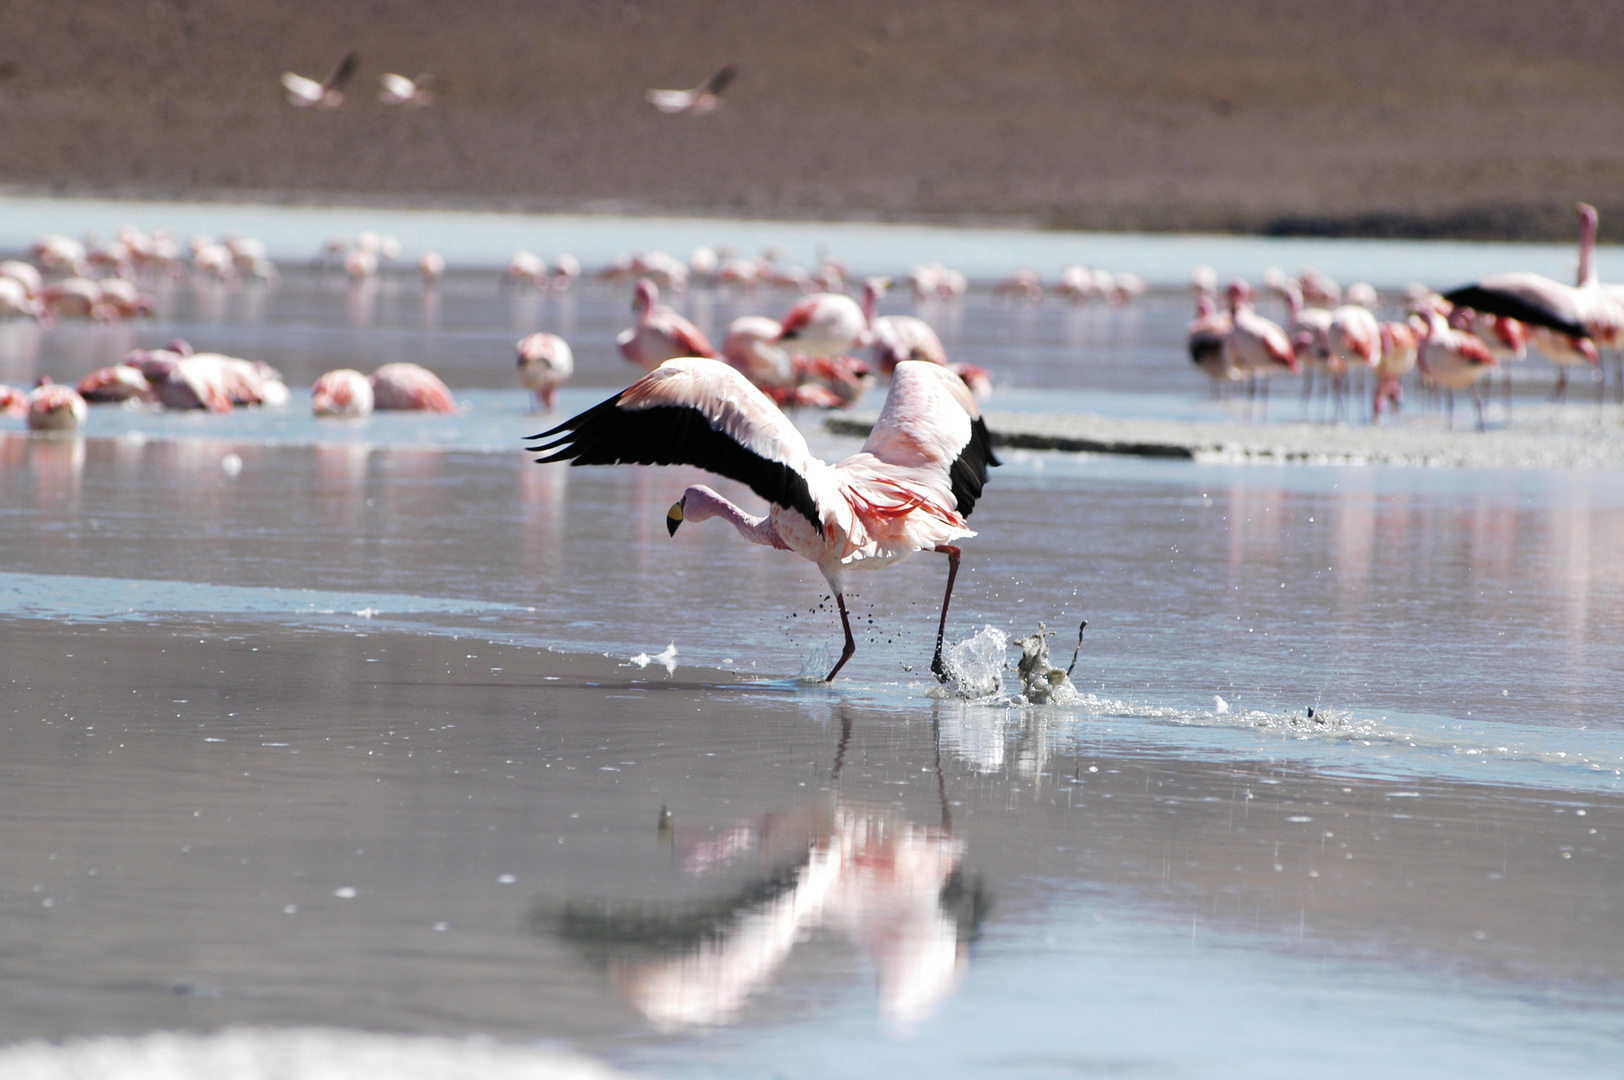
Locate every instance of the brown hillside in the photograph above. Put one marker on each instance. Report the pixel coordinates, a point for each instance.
(1377, 117)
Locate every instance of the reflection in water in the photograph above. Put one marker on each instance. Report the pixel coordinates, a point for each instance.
(891, 886)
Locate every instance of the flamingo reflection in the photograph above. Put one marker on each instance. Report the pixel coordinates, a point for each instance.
(893, 887)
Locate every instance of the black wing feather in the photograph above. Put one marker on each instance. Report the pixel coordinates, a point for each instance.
(719, 81)
(341, 74)
(606, 434)
(969, 472)
(1512, 306)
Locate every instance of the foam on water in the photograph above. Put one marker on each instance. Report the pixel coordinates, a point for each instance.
(298, 1054)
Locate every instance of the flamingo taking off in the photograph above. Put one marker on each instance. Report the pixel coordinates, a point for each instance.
(702, 99)
(909, 489)
(545, 364)
(328, 93)
(661, 334)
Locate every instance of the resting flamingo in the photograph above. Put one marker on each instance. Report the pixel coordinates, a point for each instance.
(909, 489)
(545, 364)
(661, 334)
(410, 386)
(54, 407)
(344, 393)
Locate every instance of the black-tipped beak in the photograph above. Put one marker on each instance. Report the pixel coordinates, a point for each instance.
(673, 517)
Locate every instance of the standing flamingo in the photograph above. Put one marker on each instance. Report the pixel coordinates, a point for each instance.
(545, 364)
(1452, 360)
(1255, 347)
(661, 334)
(909, 489)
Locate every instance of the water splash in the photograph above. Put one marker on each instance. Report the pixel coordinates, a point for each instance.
(667, 659)
(975, 666)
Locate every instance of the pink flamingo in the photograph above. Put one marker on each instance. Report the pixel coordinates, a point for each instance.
(344, 393)
(121, 382)
(1401, 343)
(13, 401)
(661, 334)
(1206, 336)
(409, 386)
(1452, 360)
(1353, 341)
(1256, 347)
(909, 489)
(53, 407)
(704, 98)
(1022, 284)
(545, 364)
(1309, 329)
(824, 324)
(898, 337)
(304, 93)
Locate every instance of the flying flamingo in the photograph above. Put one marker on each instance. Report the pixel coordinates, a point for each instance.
(409, 386)
(399, 90)
(545, 363)
(702, 99)
(661, 334)
(305, 93)
(343, 393)
(909, 489)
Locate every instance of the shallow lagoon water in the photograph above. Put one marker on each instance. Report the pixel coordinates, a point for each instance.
(385, 668)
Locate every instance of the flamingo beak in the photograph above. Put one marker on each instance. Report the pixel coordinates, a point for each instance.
(673, 517)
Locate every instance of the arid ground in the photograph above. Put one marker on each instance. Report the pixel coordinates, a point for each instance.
(1479, 118)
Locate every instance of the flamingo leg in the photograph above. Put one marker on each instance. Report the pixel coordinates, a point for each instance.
(851, 646)
(1477, 399)
(952, 554)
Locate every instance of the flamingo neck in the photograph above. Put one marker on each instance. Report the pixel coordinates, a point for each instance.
(1587, 245)
(871, 296)
(700, 503)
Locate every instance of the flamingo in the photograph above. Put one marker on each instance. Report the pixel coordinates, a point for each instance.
(1022, 284)
(704, 98)
(119, 383)
(54, 407)
(431, 264)
(545, 363)
(1206, 336)
(898, 337)
(344, 393)
(1255, 347)
(1353, 341)
(13, 401)
(1452, 360)
(751, 348)
(14, 300)
(909, 489)
(1401, 342)
(399, 90)
(304, 93)
(824, 324)
(409, 386)
(661, 334)
(1309, 329)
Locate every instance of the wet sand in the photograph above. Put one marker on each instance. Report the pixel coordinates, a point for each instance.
(1451, 118)
(216, 822)
(1543, 438)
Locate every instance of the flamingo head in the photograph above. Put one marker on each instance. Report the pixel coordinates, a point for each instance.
(1240, 293)
(1588, 217)
(673, 516)
(646, 296)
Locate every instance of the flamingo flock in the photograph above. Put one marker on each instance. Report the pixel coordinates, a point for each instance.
(1454, 340)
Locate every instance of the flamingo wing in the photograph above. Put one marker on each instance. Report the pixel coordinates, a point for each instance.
(1528, 298)
(341, 74)
(693, 411)
(931, 420)
(670, 101)
(719, 81)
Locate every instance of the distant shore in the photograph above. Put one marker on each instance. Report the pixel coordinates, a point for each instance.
(1466, 119)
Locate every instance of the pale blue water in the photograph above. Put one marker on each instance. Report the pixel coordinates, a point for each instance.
(476, 239)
